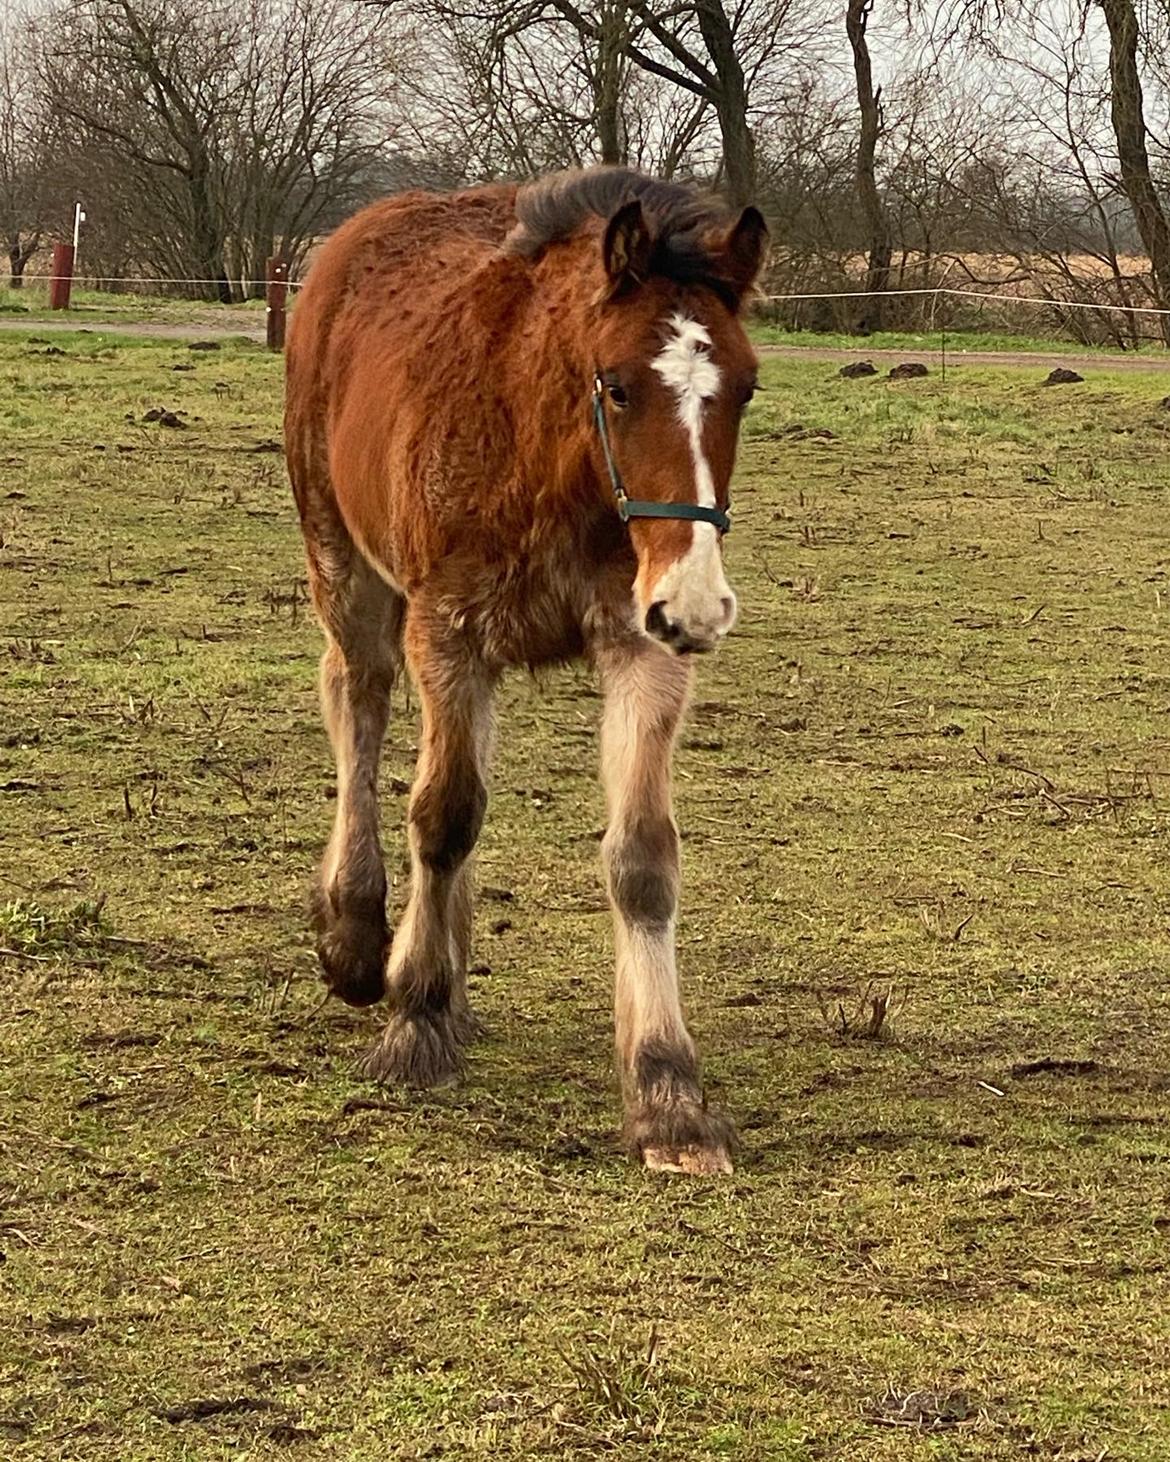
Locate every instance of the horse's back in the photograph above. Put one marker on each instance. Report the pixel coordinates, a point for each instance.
(396, 252)
(381, 303)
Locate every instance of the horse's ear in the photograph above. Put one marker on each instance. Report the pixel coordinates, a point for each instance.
(627, 249)
(743, 251)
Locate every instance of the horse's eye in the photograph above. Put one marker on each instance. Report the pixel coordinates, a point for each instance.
(617, 394)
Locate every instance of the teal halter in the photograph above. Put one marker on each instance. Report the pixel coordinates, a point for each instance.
(635, 508)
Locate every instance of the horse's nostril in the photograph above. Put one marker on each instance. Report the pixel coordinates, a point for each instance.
(657, 623)
(727, 604)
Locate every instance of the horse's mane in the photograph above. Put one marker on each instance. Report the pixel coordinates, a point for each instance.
(683, 220)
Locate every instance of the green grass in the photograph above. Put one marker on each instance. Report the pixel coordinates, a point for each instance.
(27, 929)
(931, 765)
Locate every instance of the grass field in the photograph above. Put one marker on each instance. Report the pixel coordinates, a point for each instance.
(932, 766)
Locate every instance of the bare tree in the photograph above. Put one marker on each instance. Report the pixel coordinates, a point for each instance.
(1056, 205)
(151, 83)
(308, 126)
(492, 106)
(1127, 112)
(509, 96)
(24, 174)
(608, 66)
(1130, 29)
(716, 55)
(224, 132)
(869, 101)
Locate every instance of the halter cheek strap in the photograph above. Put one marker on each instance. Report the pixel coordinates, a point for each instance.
(636, 508)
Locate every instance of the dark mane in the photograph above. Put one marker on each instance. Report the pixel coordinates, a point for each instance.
(683, 220)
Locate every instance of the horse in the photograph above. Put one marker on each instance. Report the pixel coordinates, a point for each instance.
(472, 380)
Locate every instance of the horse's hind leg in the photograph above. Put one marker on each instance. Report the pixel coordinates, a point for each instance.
(362, 619)
(430, 1022)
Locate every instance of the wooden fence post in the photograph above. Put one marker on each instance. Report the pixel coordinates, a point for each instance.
(62, 278)
(276, 295)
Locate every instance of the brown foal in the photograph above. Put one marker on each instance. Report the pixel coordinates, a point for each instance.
(474, 381)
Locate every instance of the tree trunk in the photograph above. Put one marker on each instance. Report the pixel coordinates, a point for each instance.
(1129, 128)
(611, 64)
(18, 256)
(239, 262)
(263, 248)
(208, 243)
(214, 283)
(731, 103)
(869, 101)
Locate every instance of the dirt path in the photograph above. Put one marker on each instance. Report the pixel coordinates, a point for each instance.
(158, 329)
(957, 358)
(249, 327)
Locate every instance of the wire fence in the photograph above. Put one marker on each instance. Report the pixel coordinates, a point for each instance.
(137, 288)
(114, 284)
(1008, 309)
(939, 291)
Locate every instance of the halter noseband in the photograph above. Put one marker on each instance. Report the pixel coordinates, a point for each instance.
(633, 507)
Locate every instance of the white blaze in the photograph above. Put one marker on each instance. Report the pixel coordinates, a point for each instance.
(685, 365)
(694, 590)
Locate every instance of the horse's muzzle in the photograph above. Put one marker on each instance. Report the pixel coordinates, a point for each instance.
(687, 639)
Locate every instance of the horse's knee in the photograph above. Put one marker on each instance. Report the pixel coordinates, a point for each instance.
(642, 861)
(363, 621)
(447, 815)
(357, 680)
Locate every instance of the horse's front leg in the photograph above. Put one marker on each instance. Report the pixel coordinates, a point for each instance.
(430, 1021)
(667, 1121)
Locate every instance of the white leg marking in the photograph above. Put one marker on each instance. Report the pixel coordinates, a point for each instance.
(644, 699)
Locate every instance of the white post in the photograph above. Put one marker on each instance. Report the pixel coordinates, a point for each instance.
(78, 220)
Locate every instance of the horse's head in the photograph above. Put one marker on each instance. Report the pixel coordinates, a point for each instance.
(674, 372)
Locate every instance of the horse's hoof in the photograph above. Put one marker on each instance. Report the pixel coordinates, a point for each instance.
(416, 1050)
(355, 975)
(698, 1162)
(682, 1136)
(351, 948)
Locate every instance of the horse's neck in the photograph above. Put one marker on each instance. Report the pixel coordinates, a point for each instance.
(548, 377)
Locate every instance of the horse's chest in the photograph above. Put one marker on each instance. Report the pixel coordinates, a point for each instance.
(517, 613)
(530, 621)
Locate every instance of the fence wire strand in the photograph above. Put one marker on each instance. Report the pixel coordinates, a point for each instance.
(936, 292)
(85, 280)
(973, 294)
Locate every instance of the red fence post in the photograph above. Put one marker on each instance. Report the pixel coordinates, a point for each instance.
(62, 280)
(276, 295)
